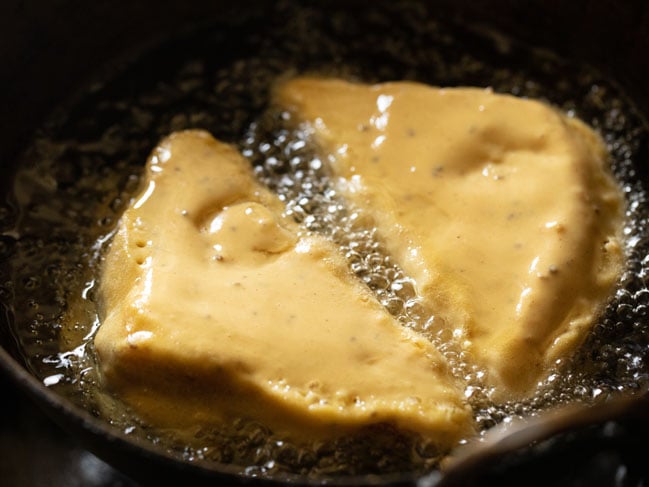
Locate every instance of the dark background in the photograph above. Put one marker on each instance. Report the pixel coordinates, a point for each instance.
(34, 452)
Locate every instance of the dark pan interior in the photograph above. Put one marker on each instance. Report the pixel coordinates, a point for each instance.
(53, 49)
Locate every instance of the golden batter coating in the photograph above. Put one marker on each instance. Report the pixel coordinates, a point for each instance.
(214, 307)
(501, 209)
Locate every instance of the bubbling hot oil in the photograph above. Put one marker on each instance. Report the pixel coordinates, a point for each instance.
(84, 166)
(287, 161)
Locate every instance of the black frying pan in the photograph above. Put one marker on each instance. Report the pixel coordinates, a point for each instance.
(51, 50)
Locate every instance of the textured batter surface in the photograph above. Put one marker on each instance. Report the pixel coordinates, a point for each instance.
(215, 308)
(501, 209)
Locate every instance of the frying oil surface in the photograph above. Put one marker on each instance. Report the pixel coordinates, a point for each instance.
(84, 166)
